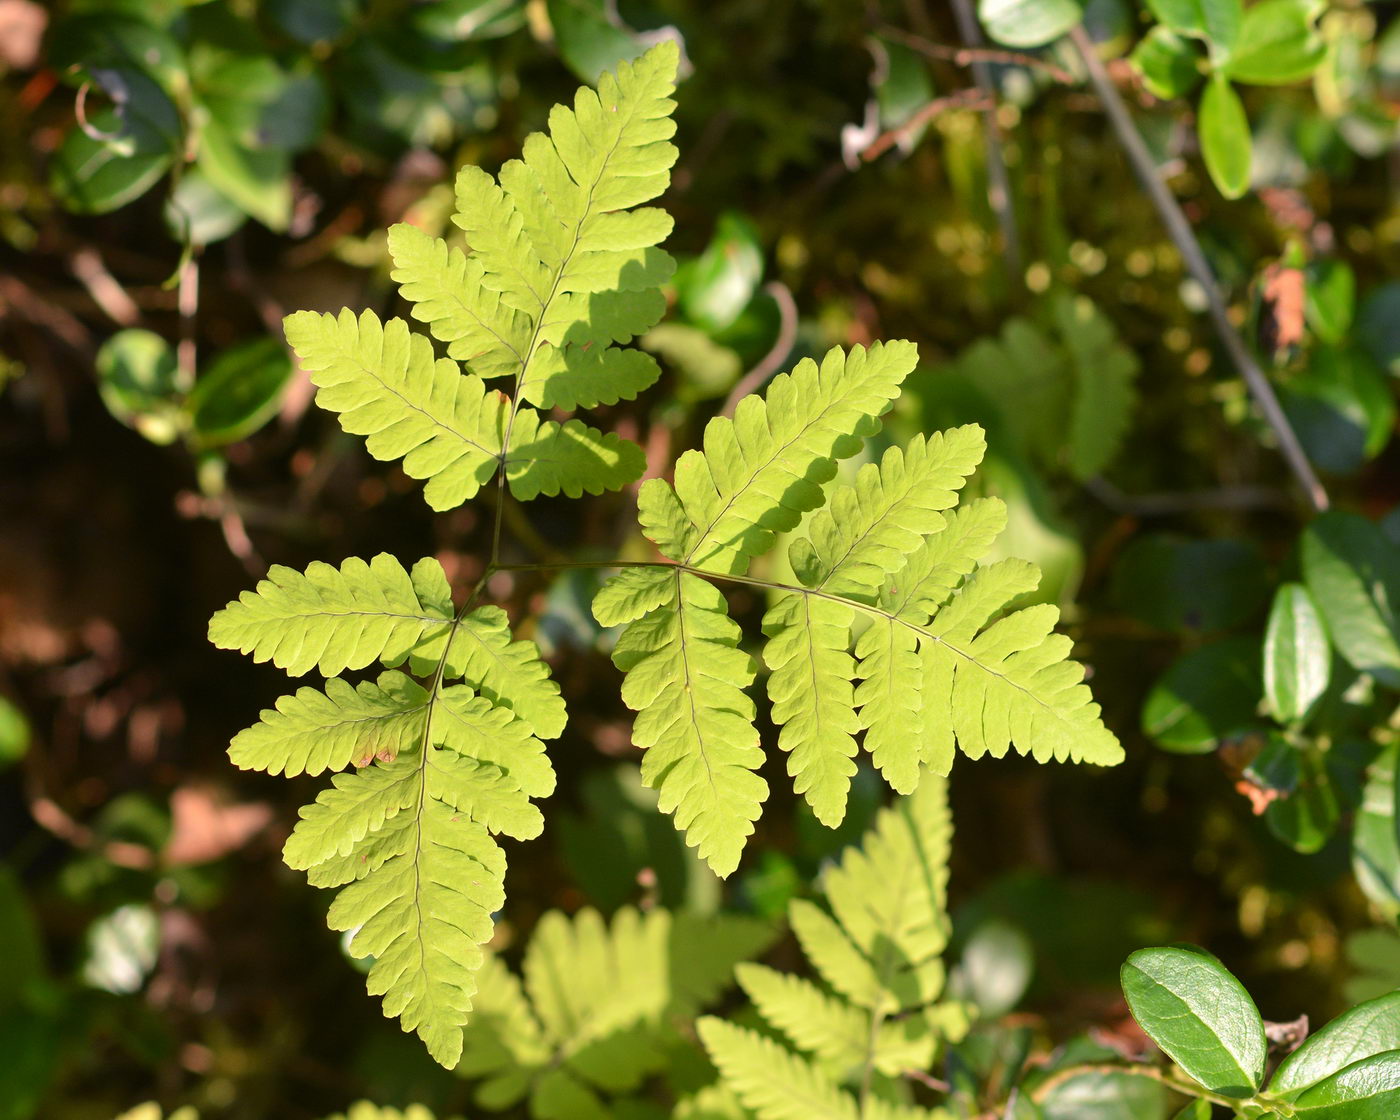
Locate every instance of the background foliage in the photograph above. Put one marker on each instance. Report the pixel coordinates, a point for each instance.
(178, 176)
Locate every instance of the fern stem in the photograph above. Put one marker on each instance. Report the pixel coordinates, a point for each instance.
(1179, 229)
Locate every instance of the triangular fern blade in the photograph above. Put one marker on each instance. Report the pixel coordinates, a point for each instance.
(386, 385)
(809, 684)
(868, 530)
(575, 377)
(685, 677)
(888, 894)
(775, 1084)
(760, 471)
(570, 458)
(510, 673)
(445, 287)
(889, 699)
(332, 618)
(313, 731)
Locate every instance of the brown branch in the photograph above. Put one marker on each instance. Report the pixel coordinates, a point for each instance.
(974, 55)
(754, 380)
(961, 99)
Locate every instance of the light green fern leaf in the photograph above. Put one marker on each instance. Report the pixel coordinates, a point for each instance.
(632, 593)
(336, 618)
(1104, 395)
(890, 700)
(685, 677)
(446, 290)
(314, 731)
(868, 530)
(837, 959)
(775, 1083)
(809, 683)
(996, 684)
(384, 382)
(575, 377)
(944, 559)
(760, 471)
(832, 1030)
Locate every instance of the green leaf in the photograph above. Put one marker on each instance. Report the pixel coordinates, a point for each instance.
(197, 213)
(1342, 407)
(255, 179)
(1278, 43)
(685, 677)
(1225, 139)
(1174, 583)
(1297, 656)
(570, 458)
(773, 1083)
(1208, 695)
(1306, 816)
(590, 37)
(1167, 63)
(239, 392)
(1353, 573)
(1200, 1016)
(1218, 22)
(1028, 23)
(1375, 858)
(1365, 1090)
(138, 378)
(1104, 1095)
(15, 735)
(1331, 299)
(335, 619)
(715, 287)
(825, 1026)
(1363, 1031)
(386, 385)
(509, 673)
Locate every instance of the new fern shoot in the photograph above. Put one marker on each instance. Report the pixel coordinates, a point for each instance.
(445, 749)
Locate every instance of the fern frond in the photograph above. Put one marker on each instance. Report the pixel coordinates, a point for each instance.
(632, 593)
(575, 377)
(446, 290)
(775, 1083)
(890, 700)
(446, 426)
(596, 1009)
(1104, 371)
(867, 530)
(570, 458)
(836, 1032)
(336, 618)
(809, 682)
(314, 731)
(932, 572)
(760, 471)
(685, 677)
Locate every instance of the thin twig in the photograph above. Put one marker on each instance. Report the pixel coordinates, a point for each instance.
(772, 361)
(1182, 235)
(998, 180)
(974, 55)
(961, 99)
(187, 304)
(103, 287)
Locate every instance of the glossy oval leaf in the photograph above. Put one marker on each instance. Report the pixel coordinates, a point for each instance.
(1028, 23)
(1365, 1090)
(1365, 1030)
(240, 391)
(1375, 847)
(1306, 817)
(1225, 139)
(1342, 408)
(137, 376)
(1216, 21)
(1207, 695)
(1175, 583)
(1192, 1007)
(1330, 299)
(1297, 655)
(1277, 43)
(718, 284)
(1353, 573)
(1167, 63)
(256, 180)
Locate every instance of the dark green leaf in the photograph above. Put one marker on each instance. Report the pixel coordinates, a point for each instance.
(1178, 584)
(239, 392)
(1369, 1028)
(1306, 817)
(1197, 1110)
(1353, 572)
(1374, 954)
(1169, 65)
(1215, 21)
(470, 19)
(1277, 43)
(138, 379)
(197, 213)
(1365, 1090)
(1342, 408)
(1375, 847)
(257, 181)
(1200, 1015)
(1331, 299)
(1028, 23)
(312, 21)
(1207, 695)
(589, 41)
(1099, 1095)
(1378, 325)
(1225, 140)
(1297, 656)
(114, 40)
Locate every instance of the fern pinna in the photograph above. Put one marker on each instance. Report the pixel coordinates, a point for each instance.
(445, 749)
